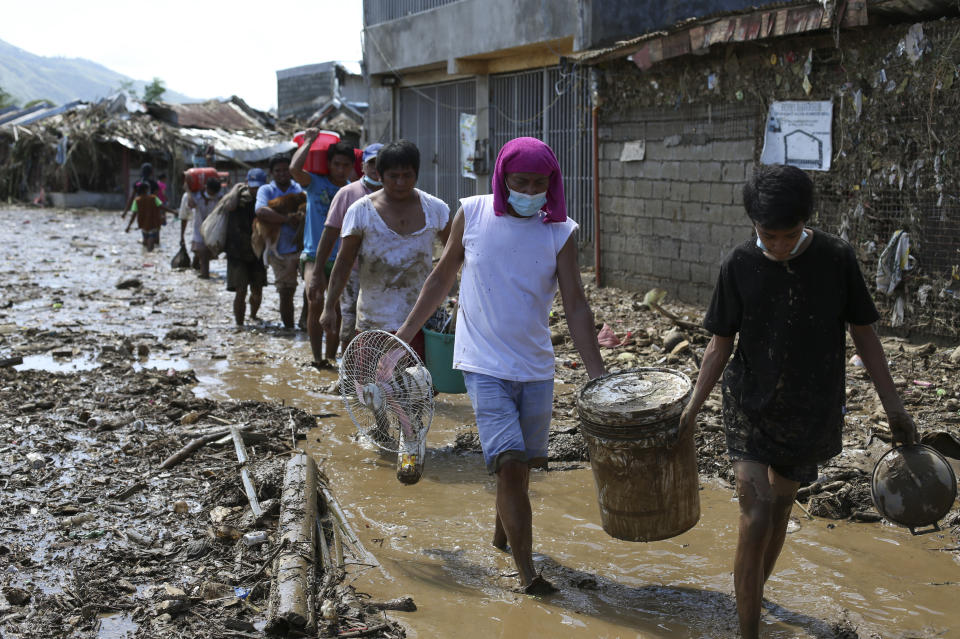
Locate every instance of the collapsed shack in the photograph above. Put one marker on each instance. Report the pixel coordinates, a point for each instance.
(97, 148)
(165, 512)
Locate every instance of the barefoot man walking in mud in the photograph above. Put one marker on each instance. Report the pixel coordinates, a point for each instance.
(516, 247)
(789, 293)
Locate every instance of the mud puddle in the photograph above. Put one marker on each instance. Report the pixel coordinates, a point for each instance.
(172, 335)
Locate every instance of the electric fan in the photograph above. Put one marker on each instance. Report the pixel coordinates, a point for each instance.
(389, 396)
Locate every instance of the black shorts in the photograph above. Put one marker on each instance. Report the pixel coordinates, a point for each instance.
(803, 473)
(746, 443)
(242, 274)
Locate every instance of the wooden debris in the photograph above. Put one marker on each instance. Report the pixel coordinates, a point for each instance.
(801, 507)
(324, 548)
(143, 540)
(11, 361)
(77, 520)
(192, 446)
(365, 632)
(364, 555)
(291, 604)
(403, 604)
(248, 486)
(676, 320)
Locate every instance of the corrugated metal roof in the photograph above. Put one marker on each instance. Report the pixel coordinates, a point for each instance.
(23, 119)
(16, 113)
(768, 20)
(698, 34)
(235, 130)
(912, 9)
(215, 114)
(238, 146)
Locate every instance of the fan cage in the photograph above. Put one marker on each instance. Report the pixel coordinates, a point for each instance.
(387, 391)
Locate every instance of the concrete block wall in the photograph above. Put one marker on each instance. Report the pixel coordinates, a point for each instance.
(378, 120)
(668, 220)
(299, 96)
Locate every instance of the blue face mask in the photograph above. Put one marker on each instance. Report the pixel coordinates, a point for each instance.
(803, 236)
(526, 205)
(371, 182)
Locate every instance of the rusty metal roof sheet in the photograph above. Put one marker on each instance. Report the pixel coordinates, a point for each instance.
(696, 35)
(231, 115)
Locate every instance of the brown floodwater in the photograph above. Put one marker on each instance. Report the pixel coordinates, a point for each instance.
(433, 541)
(433, 538)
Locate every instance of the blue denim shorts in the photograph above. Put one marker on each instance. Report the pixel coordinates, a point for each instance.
(513, 418)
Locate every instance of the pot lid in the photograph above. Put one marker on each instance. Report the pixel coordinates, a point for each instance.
(913, 486)
(636, 396)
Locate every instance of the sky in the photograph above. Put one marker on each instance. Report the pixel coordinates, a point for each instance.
(201, 49)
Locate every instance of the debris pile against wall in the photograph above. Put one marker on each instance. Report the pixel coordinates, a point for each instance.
(894, 164)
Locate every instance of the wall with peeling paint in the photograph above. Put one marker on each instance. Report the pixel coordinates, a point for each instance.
(668, 219)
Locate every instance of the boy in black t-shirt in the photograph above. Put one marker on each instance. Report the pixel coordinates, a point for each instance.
(789, 293)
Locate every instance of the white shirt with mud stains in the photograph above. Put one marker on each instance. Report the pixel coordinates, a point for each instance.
(507, 287)
(393, 267)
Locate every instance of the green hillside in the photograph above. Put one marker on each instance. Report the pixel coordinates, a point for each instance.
(29, 77)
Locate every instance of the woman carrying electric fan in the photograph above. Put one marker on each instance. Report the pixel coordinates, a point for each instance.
(393, 232)
(516, 247)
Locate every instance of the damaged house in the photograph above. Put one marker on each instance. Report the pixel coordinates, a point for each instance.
(85, 154)
(329, 95)
(860, 94)
(658, 111)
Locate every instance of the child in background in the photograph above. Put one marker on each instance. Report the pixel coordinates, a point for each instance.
(187, 207)
(150, 214)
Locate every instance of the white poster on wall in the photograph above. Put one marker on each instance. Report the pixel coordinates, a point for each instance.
(468, 142)
(798, 134)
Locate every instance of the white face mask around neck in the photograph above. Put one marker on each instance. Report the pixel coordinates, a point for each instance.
(796, 247)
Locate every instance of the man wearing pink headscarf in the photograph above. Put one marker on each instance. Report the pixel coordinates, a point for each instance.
(516, 246)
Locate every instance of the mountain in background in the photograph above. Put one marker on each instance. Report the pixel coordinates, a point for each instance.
(27, 77)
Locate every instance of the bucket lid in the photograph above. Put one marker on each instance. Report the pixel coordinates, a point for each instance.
(913, 486)
(636, 397)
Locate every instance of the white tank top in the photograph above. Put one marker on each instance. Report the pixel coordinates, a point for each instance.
(506, 290)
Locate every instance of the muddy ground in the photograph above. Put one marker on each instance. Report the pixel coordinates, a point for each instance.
(100, 541)
(925, 373)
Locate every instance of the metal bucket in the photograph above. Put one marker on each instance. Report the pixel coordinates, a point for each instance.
(645, 469)
(913, 486)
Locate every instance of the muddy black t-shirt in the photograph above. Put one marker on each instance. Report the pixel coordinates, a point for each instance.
(783, 391)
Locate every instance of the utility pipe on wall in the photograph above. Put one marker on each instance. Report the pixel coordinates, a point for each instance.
(595, 99)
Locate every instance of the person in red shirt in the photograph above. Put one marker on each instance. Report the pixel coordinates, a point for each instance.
(150, 214)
